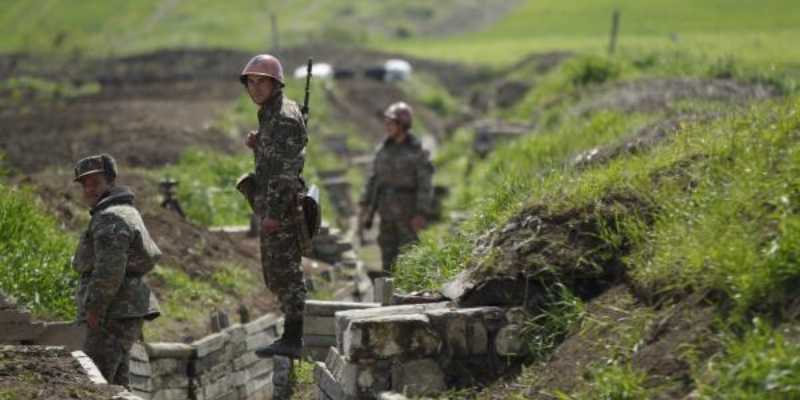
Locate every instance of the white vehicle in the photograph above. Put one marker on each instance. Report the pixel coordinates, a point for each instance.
(319, 70)
(397, 70)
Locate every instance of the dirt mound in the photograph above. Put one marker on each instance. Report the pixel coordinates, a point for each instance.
(537, 249)
(618, 328)
(642, 140)
(31, 372)
(654, 95)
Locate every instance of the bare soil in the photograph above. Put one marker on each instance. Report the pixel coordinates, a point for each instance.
(656, 95)
(37, 373)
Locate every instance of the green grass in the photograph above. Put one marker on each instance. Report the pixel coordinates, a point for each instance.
(753, 30)
(116, 26)
(764, 363)
(35, 256)
(207, 187)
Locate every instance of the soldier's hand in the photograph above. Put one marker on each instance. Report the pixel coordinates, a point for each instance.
(269, 225)
(250, 140)
(93, 321)
(418, 223)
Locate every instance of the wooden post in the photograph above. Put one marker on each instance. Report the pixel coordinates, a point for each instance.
(612, 45)
(275, 38)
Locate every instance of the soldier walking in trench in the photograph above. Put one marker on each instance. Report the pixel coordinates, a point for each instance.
(113, 255)
(400, 186)
(274, 193)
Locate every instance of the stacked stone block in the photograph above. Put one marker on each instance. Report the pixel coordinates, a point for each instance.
(319, 327)
(221, 366)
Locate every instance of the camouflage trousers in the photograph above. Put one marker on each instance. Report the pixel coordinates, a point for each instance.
(281, 263)
(393, 235)
(110, 345)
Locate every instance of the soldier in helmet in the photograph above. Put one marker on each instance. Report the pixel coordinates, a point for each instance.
(113, 255)
(400, 187)
(274, 193)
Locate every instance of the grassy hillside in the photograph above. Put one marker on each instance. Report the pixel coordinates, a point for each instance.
(703, 218)
(118, 26)
(35, 256)
(752, 30)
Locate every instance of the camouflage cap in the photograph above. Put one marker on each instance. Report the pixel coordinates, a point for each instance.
(101, 163)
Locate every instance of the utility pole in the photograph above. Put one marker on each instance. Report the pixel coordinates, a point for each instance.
(275, 39)
(612, 45)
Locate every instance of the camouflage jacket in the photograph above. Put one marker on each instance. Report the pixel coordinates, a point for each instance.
(113, 255)
(400, 185)
(279, 157)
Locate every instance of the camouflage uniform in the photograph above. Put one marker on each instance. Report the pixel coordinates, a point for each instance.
(399, 188)
(113, 255)
(279, 159)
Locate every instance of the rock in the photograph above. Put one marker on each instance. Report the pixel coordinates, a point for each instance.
(502, 291)
(327, 384)
(357, 379)
(391, 396)
(89, 368)
(68, 334)
(465, 331)
(319, 341)
(510, 342)
(169, 350)
(171, 394)
(265, 323)
(319, 326)
(329, 308)
(210, 343)
(418, 378)
(169, 366)
(344, 318)
(384, 291)
(385, 337)
(126, 395)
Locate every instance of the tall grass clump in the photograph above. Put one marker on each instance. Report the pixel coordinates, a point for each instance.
(35, 256)
(762, 364)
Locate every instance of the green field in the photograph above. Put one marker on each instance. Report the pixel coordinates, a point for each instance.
(748, 29)
(120, 26)
(752, 30)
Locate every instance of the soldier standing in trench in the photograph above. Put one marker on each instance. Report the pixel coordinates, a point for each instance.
(400, 187)
(274, 193)
(113, 255)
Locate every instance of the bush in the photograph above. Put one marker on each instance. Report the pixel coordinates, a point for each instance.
(586, 71)
(35, 256)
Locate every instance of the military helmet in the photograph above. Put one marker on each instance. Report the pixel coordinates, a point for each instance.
(101, 163)
(401, 113)
(263, 65)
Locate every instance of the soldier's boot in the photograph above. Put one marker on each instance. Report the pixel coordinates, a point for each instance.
(289, 345)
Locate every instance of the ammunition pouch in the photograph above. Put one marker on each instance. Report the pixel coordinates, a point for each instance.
(309, 218)
(246, 185)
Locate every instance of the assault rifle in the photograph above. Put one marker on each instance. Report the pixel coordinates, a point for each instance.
(305, 108)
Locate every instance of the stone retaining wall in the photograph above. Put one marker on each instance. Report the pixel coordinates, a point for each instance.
(417, 350)
(219, 366)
